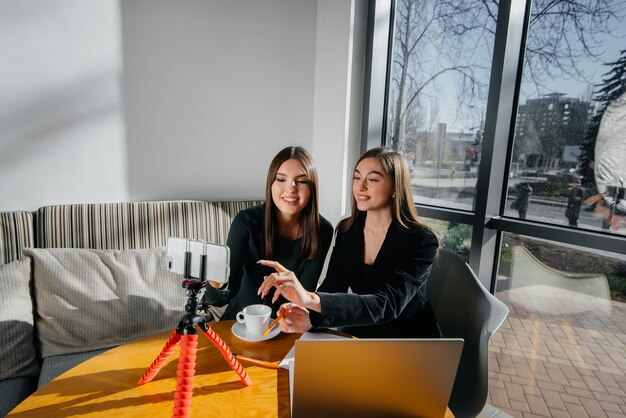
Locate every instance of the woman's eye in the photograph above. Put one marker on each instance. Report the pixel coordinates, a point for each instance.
(372, 180)
(280, 179)
(302, 181)
(356, 178)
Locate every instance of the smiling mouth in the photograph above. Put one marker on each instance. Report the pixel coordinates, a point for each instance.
(290, 199)
(362, 197)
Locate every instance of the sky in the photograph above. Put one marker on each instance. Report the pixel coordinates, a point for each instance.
(445, 89)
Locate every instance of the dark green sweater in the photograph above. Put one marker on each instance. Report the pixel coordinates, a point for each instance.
(245, 239)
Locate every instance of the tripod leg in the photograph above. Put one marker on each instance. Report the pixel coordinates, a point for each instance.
(158, 363)
(184, 376)
(226, 353)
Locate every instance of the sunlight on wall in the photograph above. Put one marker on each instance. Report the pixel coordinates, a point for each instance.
(62, 136)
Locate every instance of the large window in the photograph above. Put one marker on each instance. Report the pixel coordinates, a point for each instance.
(568, 162)
(512, 117)
(438, 96)
(509, 113)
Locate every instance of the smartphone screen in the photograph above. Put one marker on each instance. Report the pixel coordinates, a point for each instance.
(216, 260)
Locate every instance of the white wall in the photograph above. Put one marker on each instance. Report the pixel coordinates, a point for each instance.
(213, 90)
(61, 123)
(338, 100)
(147, 100)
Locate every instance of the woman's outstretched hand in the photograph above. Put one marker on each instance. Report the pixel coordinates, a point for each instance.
(286, 284)
(294, 318)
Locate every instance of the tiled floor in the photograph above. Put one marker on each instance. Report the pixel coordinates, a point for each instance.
(565, 362)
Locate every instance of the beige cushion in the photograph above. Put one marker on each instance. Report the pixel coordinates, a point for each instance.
(91, 299)
(17, 349)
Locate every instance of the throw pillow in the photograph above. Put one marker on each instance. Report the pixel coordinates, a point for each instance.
(92, 299)
(17, 349)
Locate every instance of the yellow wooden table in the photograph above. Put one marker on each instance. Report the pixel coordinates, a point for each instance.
(106, 385)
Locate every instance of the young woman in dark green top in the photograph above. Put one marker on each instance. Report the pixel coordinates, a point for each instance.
(287, 228)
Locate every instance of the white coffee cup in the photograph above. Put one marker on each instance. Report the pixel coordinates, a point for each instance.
(255, 317)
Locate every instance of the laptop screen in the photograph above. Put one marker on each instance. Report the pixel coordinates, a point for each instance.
(374, 377)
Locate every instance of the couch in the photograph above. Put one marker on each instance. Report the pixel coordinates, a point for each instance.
(78, 279)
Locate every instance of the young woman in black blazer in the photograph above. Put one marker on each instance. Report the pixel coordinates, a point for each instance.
(376, 280)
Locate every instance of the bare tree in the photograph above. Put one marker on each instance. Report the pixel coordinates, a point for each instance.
(561, 32)
(435, 39)
(430, 44)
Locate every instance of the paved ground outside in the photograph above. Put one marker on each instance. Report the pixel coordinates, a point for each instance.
(558, 363)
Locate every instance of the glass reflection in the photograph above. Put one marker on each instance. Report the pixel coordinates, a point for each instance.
(563, 339)
(568, 162)
(453, 236)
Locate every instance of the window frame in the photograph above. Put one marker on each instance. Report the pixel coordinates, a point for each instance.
(487, 219)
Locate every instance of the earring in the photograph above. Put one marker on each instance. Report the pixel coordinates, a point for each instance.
(393, 196)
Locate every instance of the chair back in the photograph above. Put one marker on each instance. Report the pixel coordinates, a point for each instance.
(465, 309)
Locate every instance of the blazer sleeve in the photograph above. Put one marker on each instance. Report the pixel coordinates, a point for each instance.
(400, 285)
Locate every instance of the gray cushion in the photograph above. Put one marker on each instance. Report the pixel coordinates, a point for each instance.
(17, 349)
(14, 391)
(93, 299)
(54, 366)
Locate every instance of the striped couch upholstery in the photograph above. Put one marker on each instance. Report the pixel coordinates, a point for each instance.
(135, 225)
(104, 226)
(16, 232)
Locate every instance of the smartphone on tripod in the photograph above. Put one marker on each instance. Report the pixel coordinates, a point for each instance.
(203, 257)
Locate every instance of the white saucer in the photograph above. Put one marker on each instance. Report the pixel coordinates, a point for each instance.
(240, 331)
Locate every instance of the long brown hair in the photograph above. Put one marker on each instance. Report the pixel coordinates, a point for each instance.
(310, 215)
(402, 207)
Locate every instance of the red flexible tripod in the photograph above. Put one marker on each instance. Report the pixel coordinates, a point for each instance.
(187, 335)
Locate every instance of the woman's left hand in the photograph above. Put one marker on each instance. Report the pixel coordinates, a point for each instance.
(294, 318)
(286, 284)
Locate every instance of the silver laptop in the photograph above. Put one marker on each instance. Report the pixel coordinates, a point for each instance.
(374, 377)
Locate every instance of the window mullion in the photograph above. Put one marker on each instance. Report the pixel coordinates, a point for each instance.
(506, 65)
